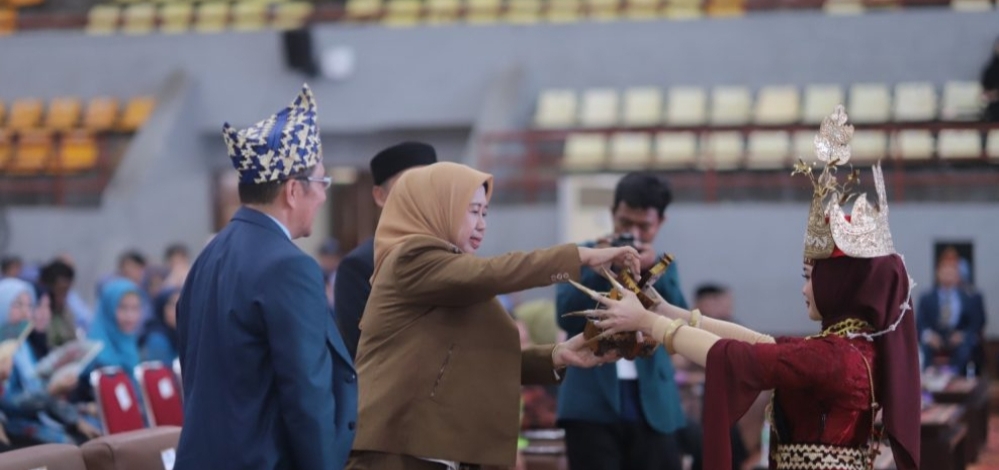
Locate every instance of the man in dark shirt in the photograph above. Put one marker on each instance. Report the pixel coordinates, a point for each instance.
(352, 284)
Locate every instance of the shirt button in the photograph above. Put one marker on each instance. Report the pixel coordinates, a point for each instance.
(351, 425)
(351, 378)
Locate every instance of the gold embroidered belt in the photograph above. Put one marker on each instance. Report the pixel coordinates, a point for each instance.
(819, 457)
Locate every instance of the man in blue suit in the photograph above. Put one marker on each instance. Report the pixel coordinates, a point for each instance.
(625, 415)
(950, 319)
(352, 284)
(268, 383)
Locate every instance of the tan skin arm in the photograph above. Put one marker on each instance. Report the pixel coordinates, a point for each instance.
(628, 314)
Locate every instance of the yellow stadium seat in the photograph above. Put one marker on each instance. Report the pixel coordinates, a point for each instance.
(768, 149)
(777, 105)
(6, 149)
(686, 106)
(821, 101)
(630, 151)
(675, 150)
(291, 15)
(139, 18)
(584, 152)
(136, 112)
(103, 19)
(643, 106)
(563, 11)
(482, 11)
(913, 145)
(363, 9)
(249, 16)
(869, 103)
(401, 13)
(966, 144)
(725, 150)
(64, 113)
(211, 17)
(523, 11)
(176, 18)
(34, 147)
(8, 21)
(641, 9)
(556, 109)
(730, 105)
(25, 113)
(77, 152)
(101, 114)
(442, 11)
(599, 108)
(602, 9)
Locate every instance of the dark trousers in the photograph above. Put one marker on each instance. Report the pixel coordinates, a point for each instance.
(621, 446)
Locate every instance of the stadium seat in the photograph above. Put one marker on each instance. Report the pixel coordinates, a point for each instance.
(25, 113)
(675, 150)
(777, 105)
(993, 146)
(292, 15)
(556, 109)
(176, 17)
(821, 101)
(915, 101)
(868, 146)
(686, 106)
(724, 150)
(363, 9)
(8, 21)
(139, 18)
(959, 144)
(642, 107)
(77, 152)
(868, 103)
(962, 101)
(153, 448)
(63, 113)
(44, 456)
(32, 152)
(523, 11)
(249, 16)
(914, 145)
(730, 105)
(584, 152)
(6, 148)
(211, 17)
(599, 108)
(160, 390)
(101, 114)
(103, 19)
(630, 151)
(136, 112)
(116, 400)
(768, 150)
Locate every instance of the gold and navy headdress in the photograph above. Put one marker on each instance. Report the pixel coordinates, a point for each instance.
(278, 147)
(830, 232)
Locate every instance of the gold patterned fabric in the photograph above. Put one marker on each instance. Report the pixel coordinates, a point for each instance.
(819, 457)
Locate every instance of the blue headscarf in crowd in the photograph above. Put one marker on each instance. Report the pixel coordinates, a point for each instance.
(24, 361)
(120, 349)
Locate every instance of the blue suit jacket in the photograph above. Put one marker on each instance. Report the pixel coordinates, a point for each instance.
(267, 380)
(351, 290)
(971, 320)
(593, 395)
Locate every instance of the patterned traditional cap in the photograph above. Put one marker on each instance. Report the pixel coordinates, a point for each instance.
(830, 231)
(278, 147)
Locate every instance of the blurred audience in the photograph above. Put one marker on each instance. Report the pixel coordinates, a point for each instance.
(57, 278)
(950, 318)
(990, 85)
(178, 262)
(158, 341)
(11, 266)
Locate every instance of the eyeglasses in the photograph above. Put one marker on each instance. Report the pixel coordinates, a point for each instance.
(325, 180)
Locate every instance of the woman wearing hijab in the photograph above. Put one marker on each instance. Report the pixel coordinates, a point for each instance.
(35, 410)
(439, 360)
(116, 325)
(159, 337)
(828, 387)
(990, 85)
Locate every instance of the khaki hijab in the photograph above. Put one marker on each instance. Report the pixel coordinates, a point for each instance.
(427, 201)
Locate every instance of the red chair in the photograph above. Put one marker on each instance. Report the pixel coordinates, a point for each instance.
(116, 400)
(160, 393)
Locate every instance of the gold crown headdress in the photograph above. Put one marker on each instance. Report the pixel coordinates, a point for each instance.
(862, 234)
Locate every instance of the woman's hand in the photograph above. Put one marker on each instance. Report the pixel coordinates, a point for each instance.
(576, 352)
(625, 315)
(600, 258)
(87, 430)
(63, 385)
